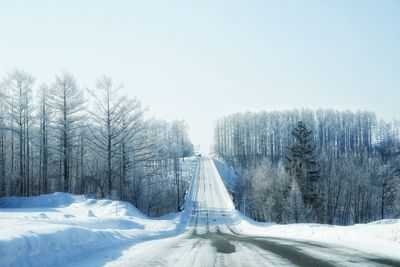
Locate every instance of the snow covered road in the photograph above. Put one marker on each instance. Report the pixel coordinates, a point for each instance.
(217, 236)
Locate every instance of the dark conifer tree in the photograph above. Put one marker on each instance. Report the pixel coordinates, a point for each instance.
(301, 164)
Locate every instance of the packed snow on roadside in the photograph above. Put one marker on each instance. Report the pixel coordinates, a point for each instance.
(380, 237)
(227, 174)
(52, 229)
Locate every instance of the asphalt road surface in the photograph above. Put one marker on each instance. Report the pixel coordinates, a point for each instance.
(212, 238)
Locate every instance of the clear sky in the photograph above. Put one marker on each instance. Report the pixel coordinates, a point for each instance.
(199, 60)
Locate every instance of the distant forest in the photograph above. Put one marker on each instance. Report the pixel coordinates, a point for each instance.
(325, 166)
(60, 137)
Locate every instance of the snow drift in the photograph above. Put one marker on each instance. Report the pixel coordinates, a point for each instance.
(48, 230)
(380, 237)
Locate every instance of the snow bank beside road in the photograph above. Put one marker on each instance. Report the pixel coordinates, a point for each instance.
(49, 230)
(43, 201)
(227, 173)
(380, 237)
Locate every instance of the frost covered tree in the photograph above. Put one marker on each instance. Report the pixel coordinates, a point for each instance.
(302, 165)
(67, 103)
(107, 117)
(294, 209)
(19, 86)
(44, 124)
(353, 149)
(135, 149)
(3, 140)
(50, 141)
(265, 190)
(117, 133)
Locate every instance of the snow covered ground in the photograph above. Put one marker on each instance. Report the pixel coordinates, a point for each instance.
(51, 229)
(55, 229)
(62, 229)
(380, 237)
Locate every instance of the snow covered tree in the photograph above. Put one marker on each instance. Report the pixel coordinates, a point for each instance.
(302, 165)
(265, 190)
(19, 85)
(48, 145)
(135, 149)
(294, 208)
(117, 133)
(67, 103)
(3, 140)
(44, 124)
(108, 117)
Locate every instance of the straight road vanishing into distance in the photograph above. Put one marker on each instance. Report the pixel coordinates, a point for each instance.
(214, 237)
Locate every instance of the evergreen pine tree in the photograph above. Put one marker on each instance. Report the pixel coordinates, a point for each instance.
(301, 164)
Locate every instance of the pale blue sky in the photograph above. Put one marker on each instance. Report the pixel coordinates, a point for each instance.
(199, 60)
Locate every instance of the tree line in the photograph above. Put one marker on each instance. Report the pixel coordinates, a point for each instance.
(326, 166)
(60, 137)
